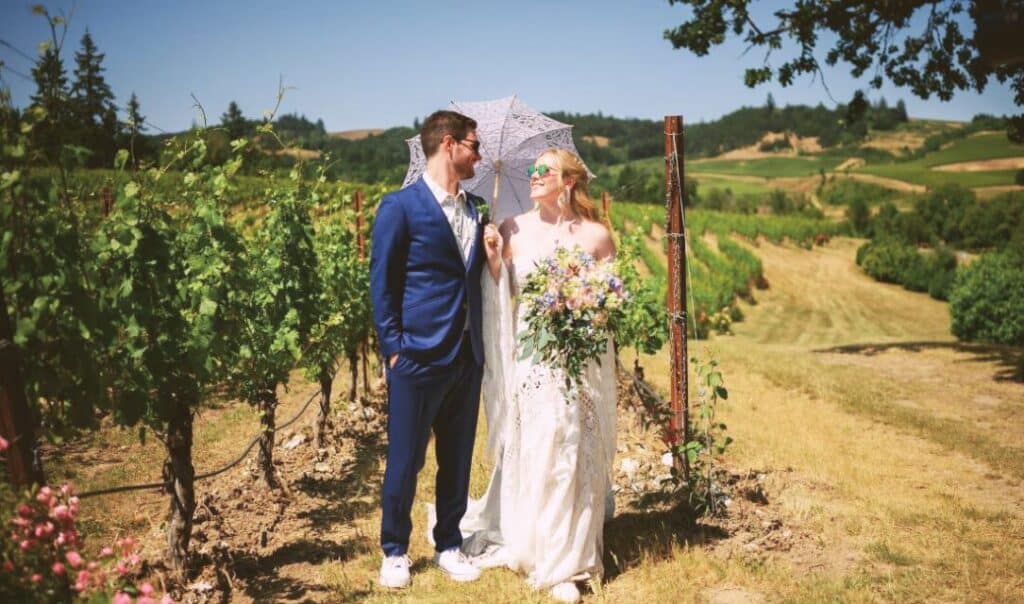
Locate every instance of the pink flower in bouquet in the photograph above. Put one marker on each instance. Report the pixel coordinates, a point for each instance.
(57, 568)
(74, 559)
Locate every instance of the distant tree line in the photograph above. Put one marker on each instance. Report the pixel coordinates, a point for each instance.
(82, 123)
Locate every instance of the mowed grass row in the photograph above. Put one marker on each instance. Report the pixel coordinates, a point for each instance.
(908, 493)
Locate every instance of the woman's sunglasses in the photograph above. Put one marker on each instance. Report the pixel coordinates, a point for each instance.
(540, 170)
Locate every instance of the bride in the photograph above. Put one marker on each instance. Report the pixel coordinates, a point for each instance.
(544, 509)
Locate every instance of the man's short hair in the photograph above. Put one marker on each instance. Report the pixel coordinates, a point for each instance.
(440, 123)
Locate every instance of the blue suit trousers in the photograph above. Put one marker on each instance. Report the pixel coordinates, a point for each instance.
(423, 399)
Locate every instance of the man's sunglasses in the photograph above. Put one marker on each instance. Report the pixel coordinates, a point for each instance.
(540, 170)
(473, 144)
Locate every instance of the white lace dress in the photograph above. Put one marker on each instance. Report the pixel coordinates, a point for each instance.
(553, 449)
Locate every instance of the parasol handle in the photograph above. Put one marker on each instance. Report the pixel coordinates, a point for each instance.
(497, 183)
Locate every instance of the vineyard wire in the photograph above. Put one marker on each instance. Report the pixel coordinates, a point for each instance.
(167, 484)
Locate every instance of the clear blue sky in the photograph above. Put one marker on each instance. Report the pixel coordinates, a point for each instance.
(381, 64)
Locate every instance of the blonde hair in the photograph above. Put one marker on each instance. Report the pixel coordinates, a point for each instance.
(571, 166)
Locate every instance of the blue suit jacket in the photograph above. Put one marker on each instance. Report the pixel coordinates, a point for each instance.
(420, 287)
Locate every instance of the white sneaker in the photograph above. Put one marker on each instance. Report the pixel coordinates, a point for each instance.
(566, 592)
(394, 572)
(455, 564)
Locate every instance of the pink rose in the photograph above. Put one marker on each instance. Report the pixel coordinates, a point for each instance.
(57, 568)
(45, 495)
(82, 581)
(74, 559)
(61, 512)
(121, 598)
(4, 444)
(106, 552)
(146, 589)
(36, 578)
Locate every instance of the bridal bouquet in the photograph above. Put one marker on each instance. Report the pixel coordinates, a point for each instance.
(571, 304)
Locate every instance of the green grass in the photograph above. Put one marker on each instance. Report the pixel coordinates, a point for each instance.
(770, 167)
(738, 187)
(974, 148)
(978, 147)
(918, 174)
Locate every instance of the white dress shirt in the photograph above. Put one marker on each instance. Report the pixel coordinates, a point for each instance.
(459, 218)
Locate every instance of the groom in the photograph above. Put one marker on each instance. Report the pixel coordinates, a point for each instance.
(425, 284)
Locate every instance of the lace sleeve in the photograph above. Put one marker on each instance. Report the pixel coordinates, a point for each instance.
(499, 356)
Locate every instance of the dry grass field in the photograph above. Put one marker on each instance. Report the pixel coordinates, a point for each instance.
(890, 458)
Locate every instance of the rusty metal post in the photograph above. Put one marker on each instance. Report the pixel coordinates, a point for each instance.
(16, 423)
(679, 423)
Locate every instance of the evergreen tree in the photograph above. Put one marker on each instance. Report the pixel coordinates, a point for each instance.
(901, 111)
(136, 121)
(52, 98)
(93, 104)
(234, 121)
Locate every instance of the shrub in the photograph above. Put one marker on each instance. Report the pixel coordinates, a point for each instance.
(859, 217)
(844, 191)
(942, 272)
(892, 261)
(987, 300)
